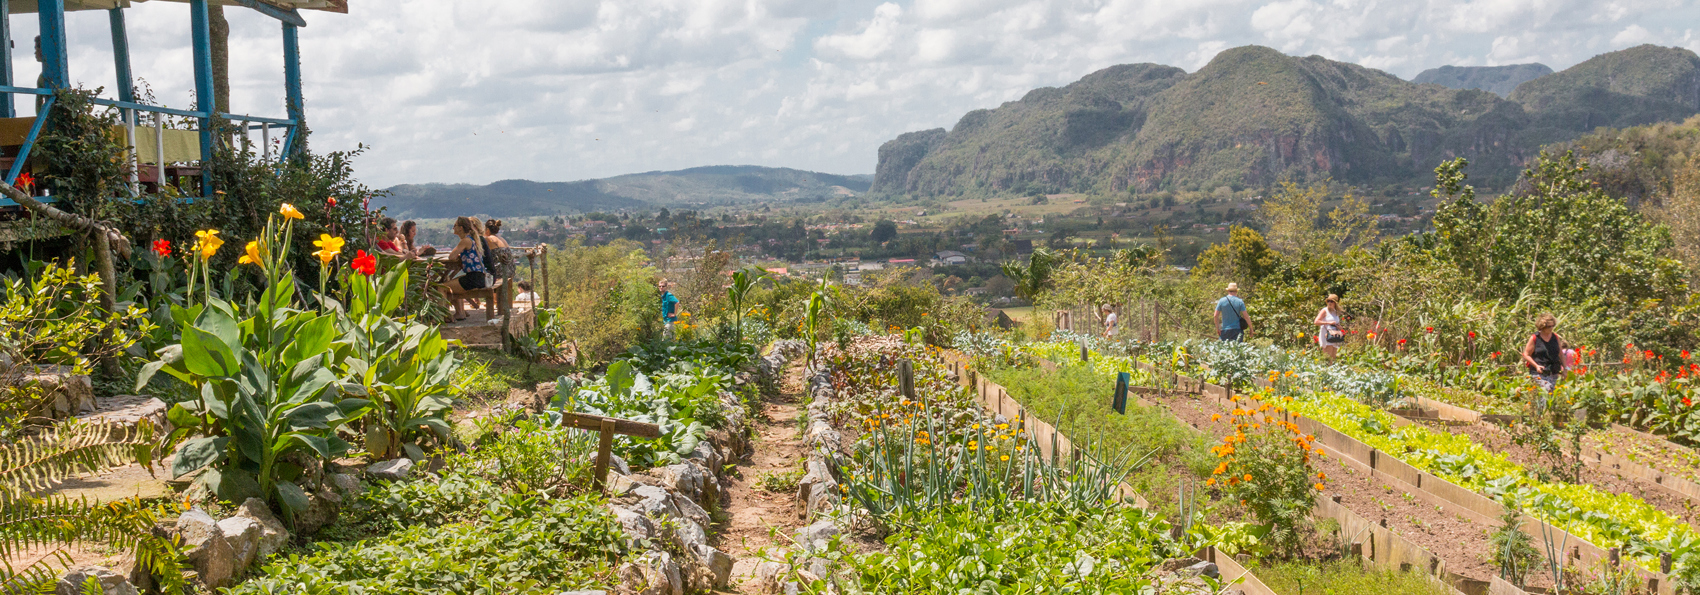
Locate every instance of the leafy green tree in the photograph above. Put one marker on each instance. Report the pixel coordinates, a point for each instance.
(884, 231)
(1557, 235)
(1246, 258)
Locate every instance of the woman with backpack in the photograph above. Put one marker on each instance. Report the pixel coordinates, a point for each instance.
(1544, 354)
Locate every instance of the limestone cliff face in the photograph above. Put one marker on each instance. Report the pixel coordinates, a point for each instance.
(1254, 115)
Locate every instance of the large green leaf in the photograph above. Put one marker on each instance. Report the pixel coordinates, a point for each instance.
(312, 338)
(316, 415)
(205, 354)
(293, 499)
(198, 453)
(394, 290)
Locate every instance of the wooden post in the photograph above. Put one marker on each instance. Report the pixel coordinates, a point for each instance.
(1085, 354)
(604, 452)
(608, 427)
(545, 248)
(1664, 562)
(906, 378)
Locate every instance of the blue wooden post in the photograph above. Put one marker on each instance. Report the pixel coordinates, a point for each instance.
(7, 100)
(292, 87)
(121, 55)
(55, 65)
(204, 101)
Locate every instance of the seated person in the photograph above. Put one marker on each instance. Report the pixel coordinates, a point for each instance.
(525, 294)
(468, 255)
(389, 240)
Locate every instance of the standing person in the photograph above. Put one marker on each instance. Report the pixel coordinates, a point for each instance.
(1328, 333)
(1232, 322)
(1544, 355)
(1107, 315)
(469, 254)
(669, 308)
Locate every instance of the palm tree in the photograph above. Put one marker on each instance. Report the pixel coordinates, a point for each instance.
(1034, 278)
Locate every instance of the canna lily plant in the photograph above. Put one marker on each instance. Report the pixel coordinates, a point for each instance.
(267, 388)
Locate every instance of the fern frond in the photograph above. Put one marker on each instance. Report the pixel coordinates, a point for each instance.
(72, 448)
(125, 525)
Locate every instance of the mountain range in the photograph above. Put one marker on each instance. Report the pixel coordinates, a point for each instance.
(1499, 80)
(700, 186)
(1254, 115)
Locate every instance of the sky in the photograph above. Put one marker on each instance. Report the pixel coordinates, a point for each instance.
(560, 90)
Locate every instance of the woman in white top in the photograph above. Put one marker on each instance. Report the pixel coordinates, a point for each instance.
(1328, 333)
(1109, 316)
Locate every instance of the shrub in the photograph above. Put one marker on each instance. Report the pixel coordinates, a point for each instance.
(1266, 467)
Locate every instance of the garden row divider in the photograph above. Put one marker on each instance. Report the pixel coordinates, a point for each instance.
(1441, 492)
(1231, 570)
(1678, 486)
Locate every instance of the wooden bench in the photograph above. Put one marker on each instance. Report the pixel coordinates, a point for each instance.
(491, 296)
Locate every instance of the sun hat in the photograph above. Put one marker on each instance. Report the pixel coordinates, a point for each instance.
(1233, 287)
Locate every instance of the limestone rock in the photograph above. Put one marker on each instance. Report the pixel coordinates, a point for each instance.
(391, 470)
(243, 535)
(618, 464)
(656, 573)
(207, 550)
(718, 563)
(111, 583)
(816, 537)
(636, 525)
(67, 394)
(343, 482)
(322, 509)
(273, 535)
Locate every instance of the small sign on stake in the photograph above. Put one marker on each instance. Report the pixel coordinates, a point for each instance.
(1120, 402)
(906, 378)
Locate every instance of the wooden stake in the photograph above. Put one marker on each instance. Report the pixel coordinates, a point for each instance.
(604, 452)
(906, 378)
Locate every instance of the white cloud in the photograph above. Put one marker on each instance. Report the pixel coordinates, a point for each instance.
(573, 89)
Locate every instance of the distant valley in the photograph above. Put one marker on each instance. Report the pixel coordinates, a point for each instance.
(695, 187)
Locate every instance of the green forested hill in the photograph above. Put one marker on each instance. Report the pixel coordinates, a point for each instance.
(701, 186)
(1254, 115)
(1498, 80)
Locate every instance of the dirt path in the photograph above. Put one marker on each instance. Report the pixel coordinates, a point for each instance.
(778, 448)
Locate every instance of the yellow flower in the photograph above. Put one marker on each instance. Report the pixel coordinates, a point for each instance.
(1004, 458)
(1248, 477)
(207, 243)
(289, 212)
(1319, 487)
(253, 254)
(329, 247)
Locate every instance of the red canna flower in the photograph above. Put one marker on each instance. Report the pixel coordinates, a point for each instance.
(364, 263)
(330, 202)
(162, 248)
(1429, 329)
(25, 181)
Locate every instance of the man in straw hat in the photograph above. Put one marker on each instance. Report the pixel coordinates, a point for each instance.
(1232, 322)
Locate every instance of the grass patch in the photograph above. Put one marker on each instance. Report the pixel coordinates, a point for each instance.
(779, 482)
(1344, 578)
(1077, 399)
(488, 375)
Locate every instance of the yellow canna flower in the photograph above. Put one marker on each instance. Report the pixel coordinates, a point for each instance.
(207, 243)
(289, 212)
(329, 247)
(253, 254)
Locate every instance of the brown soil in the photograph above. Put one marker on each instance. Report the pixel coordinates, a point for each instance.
(754, 514)
(1497, 439)
(1672, 459)
(1460, 542)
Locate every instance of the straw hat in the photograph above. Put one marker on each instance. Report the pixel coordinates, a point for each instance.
(1233, 287)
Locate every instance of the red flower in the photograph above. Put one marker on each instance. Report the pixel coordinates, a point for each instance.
(1472, 334)
(1685, 354)
(162, 248)
(364, 263)
(330, 203)
(25, 181)
(1687, 403)
(1429, 329)
(1648, 354)
(1467, 363)
(1494, 355)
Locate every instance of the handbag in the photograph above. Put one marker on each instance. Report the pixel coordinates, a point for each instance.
(1336, 335)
